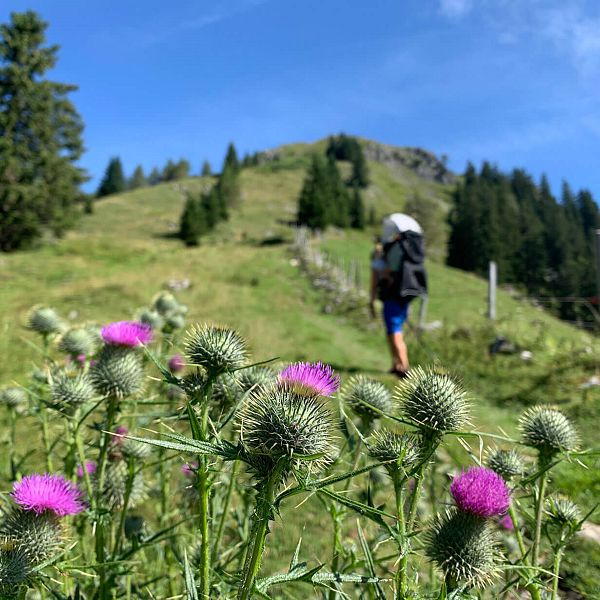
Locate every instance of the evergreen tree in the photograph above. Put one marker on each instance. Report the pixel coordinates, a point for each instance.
(206, 169)
(338, 199)
(168, 172)
(154, 178)
(315, 198)
(40, 137)
(113, 181)
(357, 210)
(181, 169)
(138, 179)
(344, 147)
(228, 187)
(231, 160)
(193, 222)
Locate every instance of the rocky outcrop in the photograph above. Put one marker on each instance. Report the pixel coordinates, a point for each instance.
(425, 164)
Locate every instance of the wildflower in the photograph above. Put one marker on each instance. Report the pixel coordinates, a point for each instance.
(127, 333)
(188, 470)
(548, 430)
(44, 320)
(433, 401)
(69, 392)
(90, 469)
(41, 493)
(398, 451)
(78, 341)
(367, 398)
(464, 548)
(217, 349)
(481, 492)
(506, 523)
(14, 397)
(117, 372)
(231, 387)
(152, 318)
(313, 379)
(562, 511)
(176, 363)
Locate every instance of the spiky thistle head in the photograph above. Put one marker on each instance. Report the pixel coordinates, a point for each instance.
(165, 302)
(78, 341)
(127, 333)
(547, 430)
(173, 321)
(70, 391)
(117, 372)
(44, 320)
(39, 535)
(90, 469)
(231, 387)
(15, 398)
(507, 463)
(433, 401)
(134, 449)
(47, 493)
(464, 547)
(480, 491)
(16, 568)
(152, 318)
(176, 363)
(275, 422)
(115, 486)
(309, 379)
(562, 510)
(216, 349)
(367, 397)
(399, 451)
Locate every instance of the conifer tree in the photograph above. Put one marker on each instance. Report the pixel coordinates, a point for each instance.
(168, 172)
(357, 210)
(154, 178)
(193, 222)
(113, 181)
(315, 197)
(231, 159)
(40, 137)
(206, 169)
(181, 169)
(138, 179)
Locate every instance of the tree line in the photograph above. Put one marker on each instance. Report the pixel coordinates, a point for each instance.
(544, 244)
(325, 198)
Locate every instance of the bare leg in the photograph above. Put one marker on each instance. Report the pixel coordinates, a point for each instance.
(398, 351)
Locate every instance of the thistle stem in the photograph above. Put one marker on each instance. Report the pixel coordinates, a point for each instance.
(400, 578)
(336, 517)
(225, 511)
(128, 487)
(539, 509)
(46, 437)
(260, 528)
(513, 517)
(12, 475)
(556, 570)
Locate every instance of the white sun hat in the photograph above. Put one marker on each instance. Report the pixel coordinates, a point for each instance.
(398, 223)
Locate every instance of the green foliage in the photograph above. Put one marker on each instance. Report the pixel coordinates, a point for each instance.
(193, 221)
(175, 170)
(231, 160)
(38, 189)
(357, 210)
(206, 169)
(113, 181)
(343, 147)
(138, 179)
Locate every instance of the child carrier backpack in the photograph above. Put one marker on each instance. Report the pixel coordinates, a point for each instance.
(410, 280)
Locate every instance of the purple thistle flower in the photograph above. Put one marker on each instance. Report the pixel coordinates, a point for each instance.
(480, 491)
(176, 363)
(41, 493)
(90, 468)
(312, 378)
(506, 523)
(127, 333)
(189, 469)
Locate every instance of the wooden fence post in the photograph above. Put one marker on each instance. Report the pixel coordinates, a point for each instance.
(492, 281)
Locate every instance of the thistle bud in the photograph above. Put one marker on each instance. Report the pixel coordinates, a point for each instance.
(69, 392)
(216, 349)
(399, 451)
(507, 463)
(115, 486)
(152, 318)
(229, 388)
(562, 511)
(118, 372)
(464, 547)
(363, 395)
(14, 398)
(78, 341)
(548, 431)
(433, 401)
(276, 423)
(134, 449)
(15, 568)
(44, 320)
(165, 302)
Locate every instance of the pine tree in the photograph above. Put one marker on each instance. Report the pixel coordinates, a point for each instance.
(154, 178)
(228, 187)
(314, 200)
(206, 169)
(181, 169)
(231, 160)
(338, 205)
(193, 222)
(40, 137)
(360, 171)
(168, 172)
(113, 181)
(138, 179)
(357, 210)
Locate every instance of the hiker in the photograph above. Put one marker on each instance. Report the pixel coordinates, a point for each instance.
(397, 277)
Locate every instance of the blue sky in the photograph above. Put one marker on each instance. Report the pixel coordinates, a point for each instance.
(512, 81)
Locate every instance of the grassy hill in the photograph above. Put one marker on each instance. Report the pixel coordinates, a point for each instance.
(120, 256)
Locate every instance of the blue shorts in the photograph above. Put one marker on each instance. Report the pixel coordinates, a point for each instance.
(394, 315)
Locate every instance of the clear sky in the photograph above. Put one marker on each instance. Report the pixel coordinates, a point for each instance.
(516, 82)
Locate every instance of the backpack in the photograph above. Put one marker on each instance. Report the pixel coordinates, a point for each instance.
(410, 280)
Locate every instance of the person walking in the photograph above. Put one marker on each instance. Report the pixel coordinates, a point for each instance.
(397, 277)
